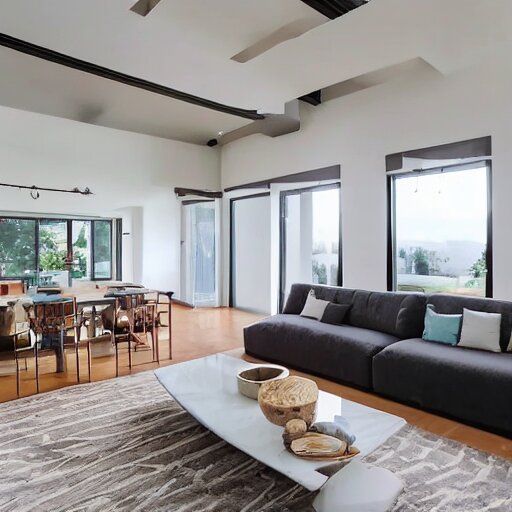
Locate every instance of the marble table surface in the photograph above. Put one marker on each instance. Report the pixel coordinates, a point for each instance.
(207, 389)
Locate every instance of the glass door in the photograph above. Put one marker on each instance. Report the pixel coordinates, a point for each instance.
(310, 237)
(198, 266)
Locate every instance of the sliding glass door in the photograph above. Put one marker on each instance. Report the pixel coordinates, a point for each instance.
(198, 255)
(310, 237)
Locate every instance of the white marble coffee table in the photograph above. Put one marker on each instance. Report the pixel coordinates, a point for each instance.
(207, 389)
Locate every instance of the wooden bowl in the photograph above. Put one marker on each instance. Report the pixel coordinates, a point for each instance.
(288, 399)
(250, 380)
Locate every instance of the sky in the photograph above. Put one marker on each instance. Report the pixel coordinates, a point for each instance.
(326, 215)
(440, 207)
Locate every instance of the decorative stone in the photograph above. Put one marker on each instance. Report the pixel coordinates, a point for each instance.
(333, 429)
(287, 399)
(294, 429)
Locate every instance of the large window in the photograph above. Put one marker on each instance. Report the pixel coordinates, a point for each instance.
(56, 251)
(441, 237)
(310, 237)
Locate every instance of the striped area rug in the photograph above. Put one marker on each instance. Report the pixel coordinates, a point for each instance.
(124, 444)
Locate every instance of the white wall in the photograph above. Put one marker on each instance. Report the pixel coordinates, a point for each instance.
(252, 254)
(359, 130)
(131, 175)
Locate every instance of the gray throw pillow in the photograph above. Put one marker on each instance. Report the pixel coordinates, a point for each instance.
(335, 313)
(314, 308)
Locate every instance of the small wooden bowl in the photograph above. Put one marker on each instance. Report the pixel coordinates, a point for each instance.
(287, 399)
(250, 380)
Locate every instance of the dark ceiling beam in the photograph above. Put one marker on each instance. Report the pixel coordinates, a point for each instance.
(93, 69)
(144, 7)
(210, 194)
(313, 98)
(334, 8)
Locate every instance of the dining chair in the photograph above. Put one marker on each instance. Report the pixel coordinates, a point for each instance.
(15, 337)
(89, 317)
(54, 323)
(163, 306)
(119, 320)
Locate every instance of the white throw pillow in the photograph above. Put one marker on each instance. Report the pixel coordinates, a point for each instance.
(480, 330)
(314, 308)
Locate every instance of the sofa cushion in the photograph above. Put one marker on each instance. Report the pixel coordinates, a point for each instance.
(454, 305)
(395, 313)
(481, 330)
(299, 293)
(314, 308)
(472, 385)
(335, 314)
(441, 328)
(339, 352)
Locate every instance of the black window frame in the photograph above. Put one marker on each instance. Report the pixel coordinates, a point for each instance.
(282, 235)
(391, 217)
(116, 243)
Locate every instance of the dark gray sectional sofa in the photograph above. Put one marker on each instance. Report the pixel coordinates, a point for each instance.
(379, 348)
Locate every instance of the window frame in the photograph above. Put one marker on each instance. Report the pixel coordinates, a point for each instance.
(116, 241)
(282, 235)
(391, 216)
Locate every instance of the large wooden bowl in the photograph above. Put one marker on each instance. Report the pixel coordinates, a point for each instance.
(287, 399)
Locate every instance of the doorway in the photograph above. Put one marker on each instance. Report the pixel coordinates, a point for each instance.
(198, 253)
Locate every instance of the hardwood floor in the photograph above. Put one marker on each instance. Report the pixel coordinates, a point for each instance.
(200, 332)
(196, 333)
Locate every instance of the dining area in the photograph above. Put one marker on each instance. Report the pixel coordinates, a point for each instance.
(51, 338)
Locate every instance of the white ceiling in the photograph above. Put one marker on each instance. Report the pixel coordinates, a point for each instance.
(33, 84)
(179, 42)
(188, 45)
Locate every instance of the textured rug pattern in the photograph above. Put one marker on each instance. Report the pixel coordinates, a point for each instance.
(124, 444)
(441, 475)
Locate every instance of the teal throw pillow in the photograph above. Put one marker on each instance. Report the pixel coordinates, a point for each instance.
(441, 328)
